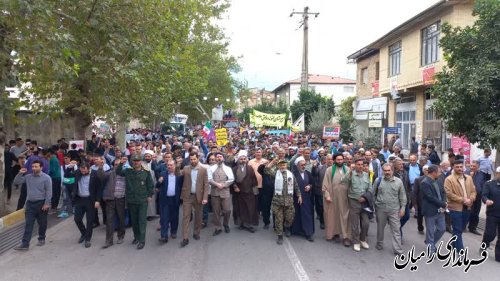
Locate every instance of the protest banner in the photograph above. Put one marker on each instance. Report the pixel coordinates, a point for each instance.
(266, 119)
(331, 132)
(221, 136)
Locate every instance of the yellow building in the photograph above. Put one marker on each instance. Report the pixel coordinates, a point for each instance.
(399, 68)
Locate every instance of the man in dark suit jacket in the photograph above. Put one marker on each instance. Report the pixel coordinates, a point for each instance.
(86, 198)
(194, 194)
(170, 186)
(433, 206)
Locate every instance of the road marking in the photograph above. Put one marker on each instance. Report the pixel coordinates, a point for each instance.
(297, 265)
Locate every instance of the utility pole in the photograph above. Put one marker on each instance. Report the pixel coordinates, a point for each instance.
(304, 83)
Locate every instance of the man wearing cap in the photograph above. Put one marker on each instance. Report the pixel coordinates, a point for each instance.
(139, 192)
(220, 178)
(285, 186)
(245, 181)
(303, 223)
(150, 165)
(491, 197)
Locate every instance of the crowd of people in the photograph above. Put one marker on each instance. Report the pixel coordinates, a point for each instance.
(283, 182)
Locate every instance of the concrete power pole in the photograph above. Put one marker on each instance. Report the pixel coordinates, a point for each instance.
(304, 83)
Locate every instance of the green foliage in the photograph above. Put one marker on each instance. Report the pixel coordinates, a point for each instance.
(468, 88)
(319, 118)
(120, 58)
(346, 120)
(309, 102)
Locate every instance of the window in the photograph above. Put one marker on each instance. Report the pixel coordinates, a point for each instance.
(377, 67)
(395, 59)
(405, 121)
(348, 89)
(430, 43)
(364, 76)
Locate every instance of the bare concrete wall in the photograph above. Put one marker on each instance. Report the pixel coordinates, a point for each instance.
(45, 131)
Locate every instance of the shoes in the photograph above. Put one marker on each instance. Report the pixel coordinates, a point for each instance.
(251, 229)
(40, 243)
(107, 245)
(140, 245)
(82, 238)
(163, 240)
(63, 215)
(226, 229)
(150, 218)
(449, 230)
(22, 248)
(280, 240)
(347, 242)
(310, 238)
(173, 236)
(184, 243)
(266, 226)
(398, 253)
(241, 227)
(288, 233)
(421, 232)
(135, 241)
(119, 241)
(217, 232)
(196, 237)
(356, 247)
(87, 244)
(379, 247)
(322, 225)
(203, 225)
(474, 231)
(365, 245)
(158, 228)
(336, 239)
(97, 224)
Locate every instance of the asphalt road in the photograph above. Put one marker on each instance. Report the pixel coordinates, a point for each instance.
(239, 255)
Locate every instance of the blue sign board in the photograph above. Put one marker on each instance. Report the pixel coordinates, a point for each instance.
(391, 130)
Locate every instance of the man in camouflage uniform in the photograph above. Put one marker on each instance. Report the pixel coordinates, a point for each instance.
(285, 186)
(139, 191)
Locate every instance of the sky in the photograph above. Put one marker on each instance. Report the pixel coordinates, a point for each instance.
(269, 41)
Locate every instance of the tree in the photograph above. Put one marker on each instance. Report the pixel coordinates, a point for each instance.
(266, 107)
(468, 88)
(346, 119)
(118, 59)
(319, 118)
(309, 102)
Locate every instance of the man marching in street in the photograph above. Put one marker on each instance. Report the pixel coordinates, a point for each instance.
(139, 190)
(170, 186)
(245, 181)
(221, 178)
(284, 188)
(303, 223)
(357, 193)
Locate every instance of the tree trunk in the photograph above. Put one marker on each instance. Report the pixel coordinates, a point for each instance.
(121, 129)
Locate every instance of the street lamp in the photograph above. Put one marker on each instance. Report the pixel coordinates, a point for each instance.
(216, 99)
(204, 98)
(228, 100)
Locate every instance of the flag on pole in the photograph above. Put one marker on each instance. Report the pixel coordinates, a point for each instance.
(208, 132)
(299, 124)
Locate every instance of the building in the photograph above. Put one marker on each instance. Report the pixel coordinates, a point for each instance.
(328, 86)
(255, 96)
(399, 68)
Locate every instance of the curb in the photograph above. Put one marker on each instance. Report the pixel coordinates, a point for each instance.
(11, 219)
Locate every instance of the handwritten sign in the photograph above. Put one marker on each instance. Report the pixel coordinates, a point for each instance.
(221, 136)
(331, 132)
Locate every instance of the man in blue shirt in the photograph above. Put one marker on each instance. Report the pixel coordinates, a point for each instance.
(486, 164)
